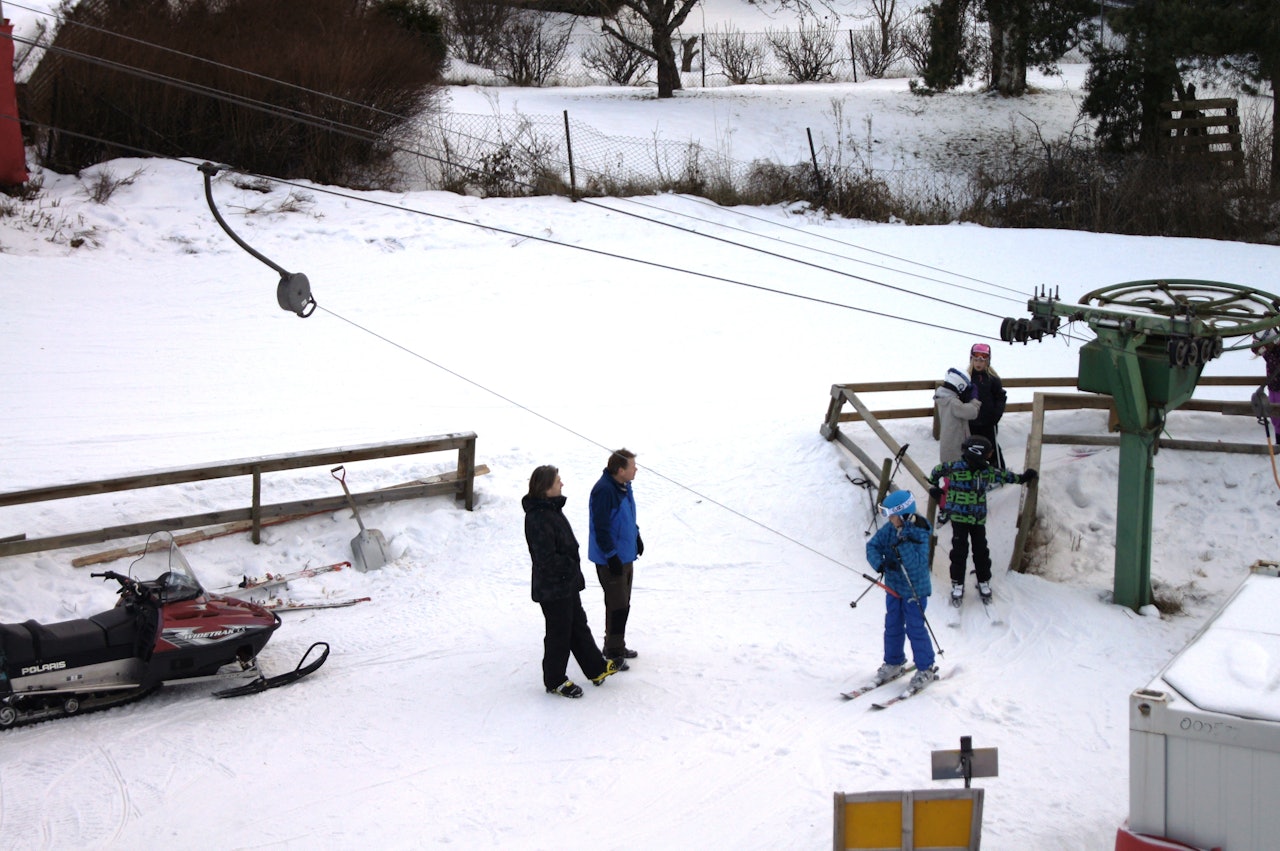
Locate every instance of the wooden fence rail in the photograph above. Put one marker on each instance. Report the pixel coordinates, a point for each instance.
(461, 484)
(842, 394)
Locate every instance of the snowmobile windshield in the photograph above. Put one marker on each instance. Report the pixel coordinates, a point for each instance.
(164, 568)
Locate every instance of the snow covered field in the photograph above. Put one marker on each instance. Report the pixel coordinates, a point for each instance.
(158, 343)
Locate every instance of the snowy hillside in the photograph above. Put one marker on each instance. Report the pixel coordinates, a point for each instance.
(157, 343)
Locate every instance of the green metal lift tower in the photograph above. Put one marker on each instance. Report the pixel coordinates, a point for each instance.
(1152, 340)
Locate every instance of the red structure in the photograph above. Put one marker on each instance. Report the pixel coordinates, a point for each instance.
(13, 158)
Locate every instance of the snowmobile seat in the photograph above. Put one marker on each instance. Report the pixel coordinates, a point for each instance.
(79, 642)
(16, 645)
(119, 625)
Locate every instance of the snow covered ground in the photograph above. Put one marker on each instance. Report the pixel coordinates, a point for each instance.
(157, 343)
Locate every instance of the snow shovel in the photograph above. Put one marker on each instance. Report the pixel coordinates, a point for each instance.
(369, 548)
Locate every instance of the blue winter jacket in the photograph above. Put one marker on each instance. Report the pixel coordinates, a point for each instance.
(613, 529)
(891, 549)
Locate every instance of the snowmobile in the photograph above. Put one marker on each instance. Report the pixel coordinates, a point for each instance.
(162, 630)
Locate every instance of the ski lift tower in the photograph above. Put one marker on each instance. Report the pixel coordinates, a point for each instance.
(1153, 339)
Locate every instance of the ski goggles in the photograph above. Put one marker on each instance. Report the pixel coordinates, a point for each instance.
(980, 351)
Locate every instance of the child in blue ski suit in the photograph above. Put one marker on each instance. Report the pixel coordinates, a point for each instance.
(900, 551)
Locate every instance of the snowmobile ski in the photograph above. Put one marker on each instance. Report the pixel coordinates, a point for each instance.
(872, 686)
(911, 692)
(271, 580)
(263, 683)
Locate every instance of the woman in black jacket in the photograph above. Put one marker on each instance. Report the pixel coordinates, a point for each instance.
(988, 389)
(557, 586)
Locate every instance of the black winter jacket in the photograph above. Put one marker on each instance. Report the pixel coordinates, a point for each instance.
(990, 391)
(557, 567)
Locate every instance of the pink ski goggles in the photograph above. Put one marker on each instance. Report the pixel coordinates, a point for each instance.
(981, 351)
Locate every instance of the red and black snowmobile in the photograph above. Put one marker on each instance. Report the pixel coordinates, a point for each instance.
(166, 629)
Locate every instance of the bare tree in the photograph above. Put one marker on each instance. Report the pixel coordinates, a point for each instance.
(740, 58)
(531, 48)
(913, 38)
(620, 61)
(663, 18)
(809, 55)
(879, 46)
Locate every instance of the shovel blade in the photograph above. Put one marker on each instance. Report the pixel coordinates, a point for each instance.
(369, 550)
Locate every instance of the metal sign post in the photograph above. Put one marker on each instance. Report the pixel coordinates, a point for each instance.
(966, 763)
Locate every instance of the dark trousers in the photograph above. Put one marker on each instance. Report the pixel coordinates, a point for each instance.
(568, 632)
(617, 606)
(961, 535)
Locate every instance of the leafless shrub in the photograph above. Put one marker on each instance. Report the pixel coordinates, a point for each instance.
(1256, 131)
(740, 57)
(617, 61)
(810, 54)
(103, 183)
(472, 28)
(531, 48)
(913, 40)
(1071, 184)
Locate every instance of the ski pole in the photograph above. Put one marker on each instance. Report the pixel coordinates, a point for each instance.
(916, 599)
(854, 604)
(874, 582)
(866, 485)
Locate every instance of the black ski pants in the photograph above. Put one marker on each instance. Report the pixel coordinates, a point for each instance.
(617, 606)
(568, 632)
(961, 535)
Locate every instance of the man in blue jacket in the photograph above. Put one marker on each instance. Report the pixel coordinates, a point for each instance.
(613, 544)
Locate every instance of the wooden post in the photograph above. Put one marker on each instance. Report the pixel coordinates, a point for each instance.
(817, 175)
(467, 473)
(255, 508)
(568, 146)
(1027, 502)
(853, 57)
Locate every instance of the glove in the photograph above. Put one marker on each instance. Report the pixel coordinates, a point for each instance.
(615, 565)
(967, 394)
(1029, 475)
(886, 564)
(936, 493)
(639, 545)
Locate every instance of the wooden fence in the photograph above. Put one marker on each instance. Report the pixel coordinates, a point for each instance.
(460, 483)
(878, 471)
(1203, 130)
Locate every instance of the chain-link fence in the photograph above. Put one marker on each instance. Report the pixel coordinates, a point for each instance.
(502, 155)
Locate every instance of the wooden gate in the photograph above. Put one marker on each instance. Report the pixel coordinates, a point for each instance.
(1206, 131)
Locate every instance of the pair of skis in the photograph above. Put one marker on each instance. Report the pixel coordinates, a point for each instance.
(250, 584)
(901, 696)
(957, 603)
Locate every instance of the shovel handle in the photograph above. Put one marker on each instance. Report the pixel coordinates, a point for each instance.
(350, 501)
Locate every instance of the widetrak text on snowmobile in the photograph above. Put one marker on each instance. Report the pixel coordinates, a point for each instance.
(163, 630)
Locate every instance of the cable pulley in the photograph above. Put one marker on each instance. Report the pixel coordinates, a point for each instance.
(294, 290)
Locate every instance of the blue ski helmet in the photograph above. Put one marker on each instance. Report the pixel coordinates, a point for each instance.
(898, 502)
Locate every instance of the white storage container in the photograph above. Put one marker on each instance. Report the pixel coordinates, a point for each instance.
(1204, 735)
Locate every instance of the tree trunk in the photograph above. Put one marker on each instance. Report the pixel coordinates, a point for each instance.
(1008, 57)
(1275, 139)
(668, 71)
